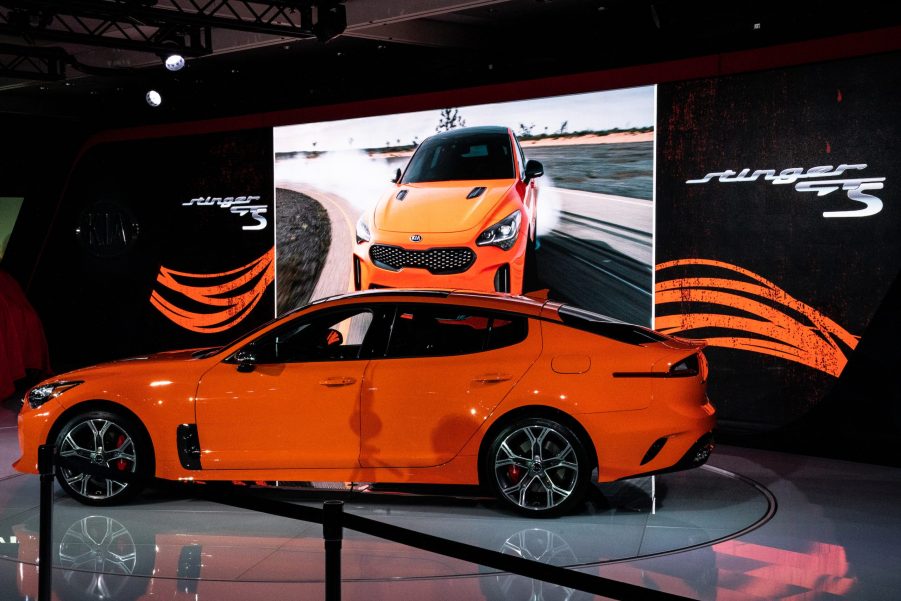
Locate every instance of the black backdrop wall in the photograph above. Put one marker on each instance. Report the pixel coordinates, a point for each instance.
(36, 156)
(159, 244)
(777, 220)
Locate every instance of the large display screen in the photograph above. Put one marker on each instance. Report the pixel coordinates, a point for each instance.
(581, 228)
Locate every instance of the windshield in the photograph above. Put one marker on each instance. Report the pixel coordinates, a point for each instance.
(462, 157)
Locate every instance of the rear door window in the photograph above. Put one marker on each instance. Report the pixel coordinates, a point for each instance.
(436, 330)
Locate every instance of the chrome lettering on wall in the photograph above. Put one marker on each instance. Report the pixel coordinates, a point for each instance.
(855, 187)
(239, 205)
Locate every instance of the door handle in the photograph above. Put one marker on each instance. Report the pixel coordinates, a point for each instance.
(337, 381)
(488, 378)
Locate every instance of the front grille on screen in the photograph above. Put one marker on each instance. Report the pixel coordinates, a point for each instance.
(436, 260)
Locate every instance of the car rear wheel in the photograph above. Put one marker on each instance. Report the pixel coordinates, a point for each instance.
(106, 440)
(539, 467)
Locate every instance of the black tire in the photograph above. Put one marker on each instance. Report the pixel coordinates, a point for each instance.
(539, 467)
(108, 440)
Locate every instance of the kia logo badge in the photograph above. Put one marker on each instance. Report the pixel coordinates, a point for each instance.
(416, 238)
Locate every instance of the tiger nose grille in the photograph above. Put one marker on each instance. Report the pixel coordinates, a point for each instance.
(436, 260)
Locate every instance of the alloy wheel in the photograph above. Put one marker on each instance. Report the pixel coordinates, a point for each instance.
(536, 467)
(104, 443)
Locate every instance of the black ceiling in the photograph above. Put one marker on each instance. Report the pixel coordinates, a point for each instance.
(94, 60)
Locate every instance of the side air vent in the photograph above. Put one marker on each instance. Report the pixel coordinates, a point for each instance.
(476, 192)
(188, 446)
(502, 278)
(653, 450)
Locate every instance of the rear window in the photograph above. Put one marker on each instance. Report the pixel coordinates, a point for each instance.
(435, 330)
(608, 327)
(465, 157)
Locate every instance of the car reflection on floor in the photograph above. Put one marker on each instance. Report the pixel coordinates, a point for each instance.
(183, 549)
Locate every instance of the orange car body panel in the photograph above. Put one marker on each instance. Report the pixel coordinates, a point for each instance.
(312, 425)
(419, 420)
(439, 207)
(421, 412)
(443, 216)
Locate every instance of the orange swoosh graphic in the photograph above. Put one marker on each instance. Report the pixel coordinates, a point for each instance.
(232, 297)
(773, 322)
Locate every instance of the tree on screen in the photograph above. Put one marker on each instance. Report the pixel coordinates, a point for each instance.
(449, 119)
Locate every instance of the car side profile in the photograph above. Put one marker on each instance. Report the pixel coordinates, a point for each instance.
(463, 214)
(524, 397)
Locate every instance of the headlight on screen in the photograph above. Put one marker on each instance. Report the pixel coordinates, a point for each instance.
(363, 234)
(39, 395)
(503, 233)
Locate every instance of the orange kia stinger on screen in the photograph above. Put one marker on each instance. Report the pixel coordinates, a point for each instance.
(526, 398)
(462, 215)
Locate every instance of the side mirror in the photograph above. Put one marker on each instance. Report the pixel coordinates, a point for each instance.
(533, 169)
(247, 361)
(397, 175)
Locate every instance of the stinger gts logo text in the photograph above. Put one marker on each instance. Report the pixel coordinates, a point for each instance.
(239, 205)
(855, 187)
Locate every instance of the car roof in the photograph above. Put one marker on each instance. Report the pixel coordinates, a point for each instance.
(519, 304)
(462, 132)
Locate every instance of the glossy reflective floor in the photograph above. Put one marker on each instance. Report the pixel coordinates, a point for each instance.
(752, 525)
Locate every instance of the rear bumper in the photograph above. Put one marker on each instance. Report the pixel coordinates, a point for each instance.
(696, 456)
(625, 440)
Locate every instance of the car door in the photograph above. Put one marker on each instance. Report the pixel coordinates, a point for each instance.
(444, 371)
(290, 398)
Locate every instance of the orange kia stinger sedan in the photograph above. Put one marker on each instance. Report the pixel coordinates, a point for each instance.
(461, 215)
(524, 397)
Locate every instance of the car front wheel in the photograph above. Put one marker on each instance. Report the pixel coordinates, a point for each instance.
(106, 440)
(539, 467)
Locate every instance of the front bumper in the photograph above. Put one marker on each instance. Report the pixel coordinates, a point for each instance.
(493, 270)
(33, 429)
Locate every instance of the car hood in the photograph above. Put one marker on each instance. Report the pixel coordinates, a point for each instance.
(151, 362)
(439, 207)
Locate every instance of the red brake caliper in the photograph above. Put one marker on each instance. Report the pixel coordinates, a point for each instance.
(121, 464)
(514, 473)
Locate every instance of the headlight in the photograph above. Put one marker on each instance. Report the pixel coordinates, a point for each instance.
(41, 394)
(363, 234)
(503, 233)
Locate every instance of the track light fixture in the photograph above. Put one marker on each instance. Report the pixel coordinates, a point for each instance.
(332, 20)
(153, 98)
(174, 62)
(174, 42)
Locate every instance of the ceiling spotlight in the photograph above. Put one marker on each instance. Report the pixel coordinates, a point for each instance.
(175, 62)
(153, 98)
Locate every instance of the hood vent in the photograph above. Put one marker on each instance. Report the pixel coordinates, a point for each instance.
(401, 195)
(476, 192)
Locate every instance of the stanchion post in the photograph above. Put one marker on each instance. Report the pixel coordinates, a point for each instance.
(333, 533)
(46, 455)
